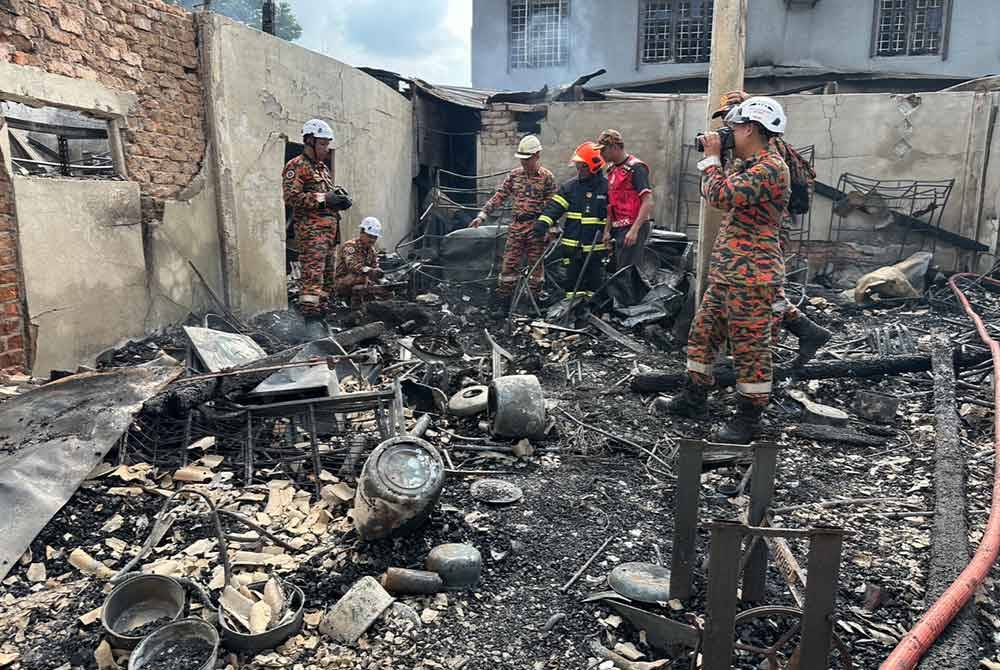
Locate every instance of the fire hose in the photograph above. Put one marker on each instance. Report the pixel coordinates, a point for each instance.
(932, 624)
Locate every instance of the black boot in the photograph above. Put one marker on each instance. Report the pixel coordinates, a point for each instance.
(811, 336)
(691, 402)
(742, 428)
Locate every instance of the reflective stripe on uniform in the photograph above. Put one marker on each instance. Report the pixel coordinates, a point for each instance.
(576, 216)
(567, 261)
(592, 221)
(546, 219)
(695, 366)
(582, 294)
(594, 247)
(570, 243)
(753, 389)
(561, 200)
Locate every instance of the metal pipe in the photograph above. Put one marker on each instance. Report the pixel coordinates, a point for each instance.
(932, 624)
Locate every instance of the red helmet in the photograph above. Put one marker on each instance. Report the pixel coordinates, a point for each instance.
(588, 154)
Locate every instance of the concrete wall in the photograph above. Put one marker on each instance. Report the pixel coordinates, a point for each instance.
(931, 136)
(835, 34)
(84, 270)
(260, 91)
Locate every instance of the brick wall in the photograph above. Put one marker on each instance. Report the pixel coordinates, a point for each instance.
(12, 332)
(143, 46)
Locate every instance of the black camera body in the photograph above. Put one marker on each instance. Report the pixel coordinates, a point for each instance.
(725, 135)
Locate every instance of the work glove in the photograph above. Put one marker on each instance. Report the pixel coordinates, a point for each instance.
(540, 229)
(338, 200)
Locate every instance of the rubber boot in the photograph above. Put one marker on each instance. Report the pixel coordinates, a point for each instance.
(743, 427)
(811, 336)
(692, 402)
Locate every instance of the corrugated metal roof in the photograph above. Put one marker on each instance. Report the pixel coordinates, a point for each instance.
(474, 98)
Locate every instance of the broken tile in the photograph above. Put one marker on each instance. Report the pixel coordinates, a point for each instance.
(356, 611)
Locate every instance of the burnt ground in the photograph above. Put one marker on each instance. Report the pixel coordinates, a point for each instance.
(585, 490)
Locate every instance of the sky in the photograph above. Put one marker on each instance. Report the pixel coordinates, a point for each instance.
(428, 39)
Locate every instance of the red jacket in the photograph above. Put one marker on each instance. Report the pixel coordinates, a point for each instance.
(628, 183)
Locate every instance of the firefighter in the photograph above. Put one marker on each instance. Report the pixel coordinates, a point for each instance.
(530, 185)
(316, 203)
(811, 335)
(630, 201)
(583, 200)
(358, 272)
(747, 268)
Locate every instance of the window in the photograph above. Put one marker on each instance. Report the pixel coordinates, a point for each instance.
(57, 142)
(539, 33)
(676, 31)
(910, 27)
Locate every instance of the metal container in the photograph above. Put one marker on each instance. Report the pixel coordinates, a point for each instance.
(178, 631)
(237, 641)
(643, 582)
(398, 487)
(459, 565)
(517, 405)
(138, 601)
(400, 581)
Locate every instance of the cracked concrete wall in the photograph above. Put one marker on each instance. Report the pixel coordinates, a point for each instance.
(84, 274)
(260, 91)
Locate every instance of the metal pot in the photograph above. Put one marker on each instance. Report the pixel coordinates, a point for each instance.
(138, 601)
(518, 406)
(185, 629)
(237, 641)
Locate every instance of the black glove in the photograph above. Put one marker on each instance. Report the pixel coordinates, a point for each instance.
(540, 229)
(338, 200)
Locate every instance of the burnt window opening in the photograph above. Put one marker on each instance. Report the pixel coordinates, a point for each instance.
(910, 27)
(676, 31)
(539, 33)
(59, 142)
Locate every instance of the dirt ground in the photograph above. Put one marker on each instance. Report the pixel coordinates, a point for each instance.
(583, 490)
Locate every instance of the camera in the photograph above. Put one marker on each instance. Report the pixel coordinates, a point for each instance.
(725, 136)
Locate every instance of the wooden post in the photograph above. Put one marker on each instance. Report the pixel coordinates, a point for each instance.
(729, 41)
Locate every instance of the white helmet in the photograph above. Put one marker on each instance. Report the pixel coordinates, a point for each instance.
(765, 111)
(372, 226)
(318, 128)
(528, 147)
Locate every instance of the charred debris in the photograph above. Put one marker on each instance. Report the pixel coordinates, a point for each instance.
(434, 485)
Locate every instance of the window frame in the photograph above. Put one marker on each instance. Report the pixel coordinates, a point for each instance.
(675, 11)
(947, 7)
(564, 38)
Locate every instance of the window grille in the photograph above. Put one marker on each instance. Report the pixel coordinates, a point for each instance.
(677, 31)
(539, 33)
(910, 27)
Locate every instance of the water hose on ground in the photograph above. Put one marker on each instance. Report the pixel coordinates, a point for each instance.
(933, 623)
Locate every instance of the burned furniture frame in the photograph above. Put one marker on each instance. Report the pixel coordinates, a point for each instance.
(690, 459)
(808, 633)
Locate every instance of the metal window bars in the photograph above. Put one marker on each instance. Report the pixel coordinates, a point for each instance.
(676, 31)
(910, 27)
(797, 234)
(871, 211)
(538, 33)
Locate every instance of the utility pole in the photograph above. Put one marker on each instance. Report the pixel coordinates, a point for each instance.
(725, 73)
(267, 17)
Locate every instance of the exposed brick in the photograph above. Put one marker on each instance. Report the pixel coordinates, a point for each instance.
(14, 342)
(12, 359)
(71, 25)
(10, 325)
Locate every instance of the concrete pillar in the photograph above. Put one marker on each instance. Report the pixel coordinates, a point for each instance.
(729, 46)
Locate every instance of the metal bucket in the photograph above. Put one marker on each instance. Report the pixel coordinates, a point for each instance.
(237, 641)
(518, 406)
(138, 601)
(399, 485)
(185, 629)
